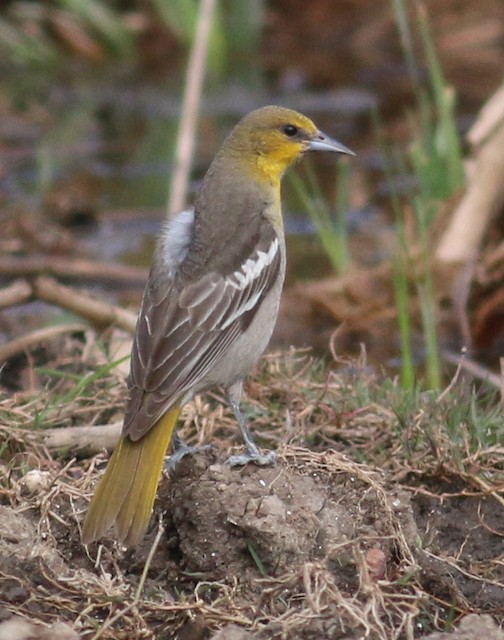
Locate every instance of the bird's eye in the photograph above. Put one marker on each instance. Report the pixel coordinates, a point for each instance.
(290, 130)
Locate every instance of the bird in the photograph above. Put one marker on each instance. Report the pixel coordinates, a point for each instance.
(208, 310)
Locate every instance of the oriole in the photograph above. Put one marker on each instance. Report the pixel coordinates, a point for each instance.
(208, 309)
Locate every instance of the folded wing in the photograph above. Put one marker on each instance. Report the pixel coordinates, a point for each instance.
(183, 332)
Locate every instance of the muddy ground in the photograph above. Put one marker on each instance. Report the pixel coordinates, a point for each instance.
(403, 544)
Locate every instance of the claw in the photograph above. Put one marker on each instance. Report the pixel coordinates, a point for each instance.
(181, 450)
(252, 455)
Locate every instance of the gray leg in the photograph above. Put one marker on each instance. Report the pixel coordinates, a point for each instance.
(252, 453)
(181, 450)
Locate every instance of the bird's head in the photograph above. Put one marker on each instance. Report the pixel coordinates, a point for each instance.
(273, 138)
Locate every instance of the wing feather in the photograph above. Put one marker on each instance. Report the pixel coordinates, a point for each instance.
(182, 334)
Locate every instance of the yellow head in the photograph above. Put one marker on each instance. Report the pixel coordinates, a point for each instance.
(273, 138)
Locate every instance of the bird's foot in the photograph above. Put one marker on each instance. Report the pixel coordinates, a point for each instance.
(181, 450)
(252, 454)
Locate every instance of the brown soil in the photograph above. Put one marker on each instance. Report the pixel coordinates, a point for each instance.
(320, 545)
(317, 546)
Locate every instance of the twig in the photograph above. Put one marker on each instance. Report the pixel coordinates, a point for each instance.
(487, 488)
(475, 369)
(16, 293)
(489, 118)
(88, 439)
(30, 340)
(100, 313)
(16, 266)
(190, 107)
(455, 378)
(136, 599)
(148, 562)
(483, 199)
(467, 574)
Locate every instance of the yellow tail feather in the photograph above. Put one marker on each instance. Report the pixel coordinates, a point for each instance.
(126, 493)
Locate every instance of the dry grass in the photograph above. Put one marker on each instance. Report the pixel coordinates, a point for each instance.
(317, 419)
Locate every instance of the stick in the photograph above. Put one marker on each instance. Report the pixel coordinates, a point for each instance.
(16, 293)
(89, 440)
(473, 368)
(16, 266)
(30, 340)
(190, 107)
(482, 201)
(98, 312)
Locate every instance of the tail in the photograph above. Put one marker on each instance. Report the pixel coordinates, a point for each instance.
(125, 494)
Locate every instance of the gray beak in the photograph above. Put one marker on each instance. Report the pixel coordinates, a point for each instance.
(323, 142)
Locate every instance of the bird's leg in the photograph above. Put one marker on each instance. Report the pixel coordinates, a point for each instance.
(252, 453)
(181, 449)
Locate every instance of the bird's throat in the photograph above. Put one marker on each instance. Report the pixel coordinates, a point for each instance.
(274, 164)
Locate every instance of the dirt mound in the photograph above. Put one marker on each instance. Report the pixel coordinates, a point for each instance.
(472, 627)
(296, 539)
(307, 508)
(316, 547)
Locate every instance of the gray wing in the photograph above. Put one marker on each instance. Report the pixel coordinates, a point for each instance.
(183, 331)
